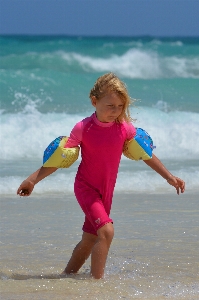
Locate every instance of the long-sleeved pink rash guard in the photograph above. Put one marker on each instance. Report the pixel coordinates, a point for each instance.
(101, 149)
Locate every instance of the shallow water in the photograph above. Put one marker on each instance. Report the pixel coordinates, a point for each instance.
(154, 254)
(45, 83)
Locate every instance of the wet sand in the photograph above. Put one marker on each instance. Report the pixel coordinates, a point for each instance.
(154, 254)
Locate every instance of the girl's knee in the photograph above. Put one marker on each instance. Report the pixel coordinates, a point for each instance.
(88, 239)
(106, 232)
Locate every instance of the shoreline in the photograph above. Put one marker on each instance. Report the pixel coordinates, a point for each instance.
(154, 254)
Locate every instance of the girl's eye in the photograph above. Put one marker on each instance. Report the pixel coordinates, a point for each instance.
(112, 106)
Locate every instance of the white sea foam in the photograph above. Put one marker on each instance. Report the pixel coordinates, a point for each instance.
(150, 182)
(174, 133)
(138, 63)
(130, 181)
(30, 133)
(25, 135)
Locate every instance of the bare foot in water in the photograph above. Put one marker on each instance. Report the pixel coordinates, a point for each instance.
(65, 274)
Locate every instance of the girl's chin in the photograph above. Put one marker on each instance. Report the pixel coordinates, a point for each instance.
(107, 119)
(111, 119)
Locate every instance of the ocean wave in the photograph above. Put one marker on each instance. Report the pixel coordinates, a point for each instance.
(134, 63)
(29, 132)
(129, 181)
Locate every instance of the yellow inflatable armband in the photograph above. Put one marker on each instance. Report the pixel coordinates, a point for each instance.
(140, 147)
(57, 156)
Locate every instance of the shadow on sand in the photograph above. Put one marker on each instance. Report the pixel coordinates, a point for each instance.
(15, 276)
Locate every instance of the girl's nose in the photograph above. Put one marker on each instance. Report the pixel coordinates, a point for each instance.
(116, 108)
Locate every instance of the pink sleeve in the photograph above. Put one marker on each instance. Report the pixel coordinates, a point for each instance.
(75, 137)
(130, 130)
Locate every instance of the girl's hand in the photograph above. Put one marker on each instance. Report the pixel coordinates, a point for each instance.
(25, 188)
(178, 183)
(27, 185)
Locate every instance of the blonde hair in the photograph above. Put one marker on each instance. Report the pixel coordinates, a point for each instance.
(111, 83)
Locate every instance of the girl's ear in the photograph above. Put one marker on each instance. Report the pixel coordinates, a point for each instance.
(93, 101)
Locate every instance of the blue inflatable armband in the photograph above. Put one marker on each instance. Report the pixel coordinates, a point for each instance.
(57, 156)
(140, 147)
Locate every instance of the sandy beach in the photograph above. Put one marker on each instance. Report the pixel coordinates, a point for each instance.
(154, 254)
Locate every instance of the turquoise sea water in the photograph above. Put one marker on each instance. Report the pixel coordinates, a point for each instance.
(45, 82)
(44, 87)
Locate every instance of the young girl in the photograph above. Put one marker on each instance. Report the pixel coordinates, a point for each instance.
(101, 138)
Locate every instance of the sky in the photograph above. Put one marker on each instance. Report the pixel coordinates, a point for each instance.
(100, 17)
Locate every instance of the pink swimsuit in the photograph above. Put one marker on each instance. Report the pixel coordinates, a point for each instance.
(101, 150)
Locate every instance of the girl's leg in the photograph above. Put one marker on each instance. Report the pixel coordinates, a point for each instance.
(80, 253)
(100, 250)
(98, 245)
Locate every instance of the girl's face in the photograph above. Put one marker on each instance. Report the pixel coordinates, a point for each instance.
(108, 108)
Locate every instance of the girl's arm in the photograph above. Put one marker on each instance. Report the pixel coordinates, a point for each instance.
(158, 166)
(28, 184)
